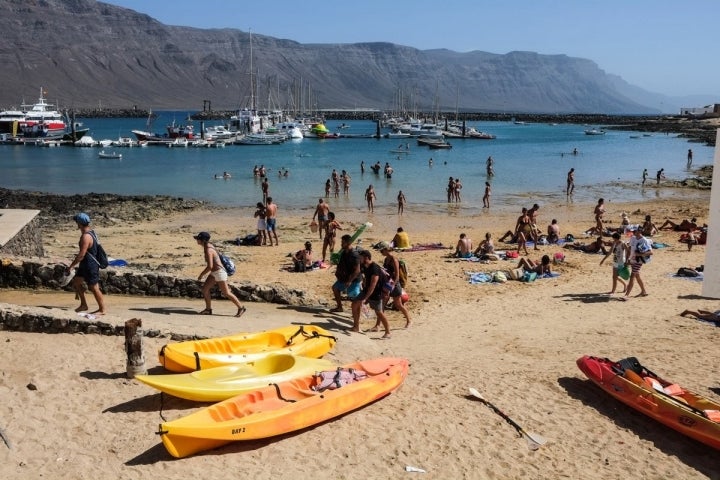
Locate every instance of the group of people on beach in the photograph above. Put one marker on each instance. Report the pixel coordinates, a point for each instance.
(366, 282)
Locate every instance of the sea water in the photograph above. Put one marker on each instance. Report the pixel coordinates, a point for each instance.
(531, 162)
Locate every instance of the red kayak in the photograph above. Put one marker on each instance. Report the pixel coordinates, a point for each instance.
(689, 413)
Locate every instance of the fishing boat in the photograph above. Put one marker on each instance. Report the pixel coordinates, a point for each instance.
(442, 145)
(284, 407)
(220, 383)
(104, 154)
(305, 340)
(676, 407)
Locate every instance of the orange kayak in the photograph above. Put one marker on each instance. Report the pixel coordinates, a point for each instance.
(302, 340)
(284, 407)
(689, 413)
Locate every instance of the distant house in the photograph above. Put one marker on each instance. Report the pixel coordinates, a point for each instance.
(706, 110)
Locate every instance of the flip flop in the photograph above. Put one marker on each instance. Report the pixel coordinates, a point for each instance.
(207, 311)
(240, 312)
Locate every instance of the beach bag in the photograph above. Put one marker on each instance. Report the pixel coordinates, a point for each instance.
(499, 277)
(100, 255)
(388, 284)
(332, 379)
(227, 264)
(559, 257)
(570, 238)
(529, 277)
(249, 239)
(403, 276)
(512, 254)
(624, 272)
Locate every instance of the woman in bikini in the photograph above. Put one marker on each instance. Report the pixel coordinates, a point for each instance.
(524, 230)
(541, 268)
(261, 226)
(331, 226)
(218, 276)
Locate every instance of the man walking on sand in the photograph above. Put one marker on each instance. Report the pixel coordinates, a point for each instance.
(88, 266)
(321, 213)
(271, 221)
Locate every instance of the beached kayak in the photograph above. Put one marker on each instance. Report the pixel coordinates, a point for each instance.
(689, 413)
(284, 407)
(221, 383)
(304, 340)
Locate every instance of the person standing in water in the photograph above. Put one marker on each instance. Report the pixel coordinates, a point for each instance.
(570, 182)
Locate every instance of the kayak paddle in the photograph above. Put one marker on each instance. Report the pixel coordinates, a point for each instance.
(534, 441)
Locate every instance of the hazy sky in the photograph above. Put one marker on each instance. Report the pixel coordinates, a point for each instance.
(664, 46)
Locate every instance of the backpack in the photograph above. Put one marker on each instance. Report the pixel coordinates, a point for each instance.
(330, 380)
(100, 255)
(227, 264)
(403, 277)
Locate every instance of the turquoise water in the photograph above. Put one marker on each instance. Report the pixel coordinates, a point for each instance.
(531, 163)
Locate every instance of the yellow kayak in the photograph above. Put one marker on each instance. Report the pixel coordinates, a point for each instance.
(303, 340)
(221, 383)
(284, 407)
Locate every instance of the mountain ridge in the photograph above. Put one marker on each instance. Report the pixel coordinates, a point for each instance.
(87, 53)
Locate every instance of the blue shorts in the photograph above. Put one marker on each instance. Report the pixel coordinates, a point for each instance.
(89, 270)
(270, 224)
(353, 291)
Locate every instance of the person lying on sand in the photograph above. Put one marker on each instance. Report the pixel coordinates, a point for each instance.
(594, 247)
(703, 315)
(684, 226)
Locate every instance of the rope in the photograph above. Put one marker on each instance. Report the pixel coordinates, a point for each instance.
(277, 389)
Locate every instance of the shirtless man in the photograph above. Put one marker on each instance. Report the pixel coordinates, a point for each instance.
(464, 247)
(265, 186)
(321, 213)
(271, 221)
(570, 182)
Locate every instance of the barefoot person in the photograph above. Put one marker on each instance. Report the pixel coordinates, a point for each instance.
(640, 252)
(88, 267)
(618, 250)
(392, 265)
(321, 213)
(218, 275)
(271, 221)
(372, 294)
(348, 277)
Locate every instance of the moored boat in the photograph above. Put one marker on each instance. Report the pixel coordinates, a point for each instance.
(284, 407)
(220, 383)
(676, 407)
(305, 340)
(104, 154)
(594, 131)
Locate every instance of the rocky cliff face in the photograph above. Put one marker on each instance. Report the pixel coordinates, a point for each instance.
(86, 53)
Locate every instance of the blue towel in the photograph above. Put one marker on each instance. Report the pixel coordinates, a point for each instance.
(480, 277)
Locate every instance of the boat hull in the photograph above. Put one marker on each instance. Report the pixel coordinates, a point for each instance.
(280, 408)
(220, 383)
(305, 340)
(682, 412)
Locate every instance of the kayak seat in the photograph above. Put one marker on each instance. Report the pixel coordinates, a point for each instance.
(713, 415)
(673, 389)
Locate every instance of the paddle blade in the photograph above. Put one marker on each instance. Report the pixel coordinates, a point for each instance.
(475, 393)
(534, 440)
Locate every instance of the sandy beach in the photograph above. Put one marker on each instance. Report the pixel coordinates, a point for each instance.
(515, 342)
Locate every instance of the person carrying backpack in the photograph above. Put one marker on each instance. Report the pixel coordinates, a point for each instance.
(88, 266)
(218, 275)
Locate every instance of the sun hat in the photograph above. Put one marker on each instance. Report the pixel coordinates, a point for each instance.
(82, 218)
(384, 246)
(204, 236)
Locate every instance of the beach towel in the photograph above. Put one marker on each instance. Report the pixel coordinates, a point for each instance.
(659, 245)
(479, 277)
(699, 278)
